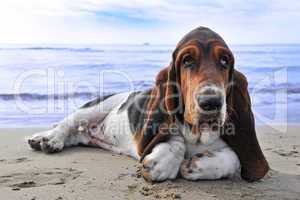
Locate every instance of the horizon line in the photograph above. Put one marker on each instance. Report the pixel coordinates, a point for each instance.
(146, 44)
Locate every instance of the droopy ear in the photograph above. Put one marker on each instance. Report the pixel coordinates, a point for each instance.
(160, 112)
(243, 139)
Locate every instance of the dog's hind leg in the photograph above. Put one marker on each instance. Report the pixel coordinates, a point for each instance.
(74, 129)
(70, 132)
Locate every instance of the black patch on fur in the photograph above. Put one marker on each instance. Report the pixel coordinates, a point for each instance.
(130, 100)
(137, 114)
(96, 101)
(137, 110)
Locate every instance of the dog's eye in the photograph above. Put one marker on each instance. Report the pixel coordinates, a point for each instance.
(224, 61)
(188, 61)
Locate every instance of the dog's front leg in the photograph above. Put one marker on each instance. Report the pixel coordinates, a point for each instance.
(211, 165)
(164, 160)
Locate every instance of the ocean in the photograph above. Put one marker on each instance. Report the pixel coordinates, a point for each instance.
(41, 84)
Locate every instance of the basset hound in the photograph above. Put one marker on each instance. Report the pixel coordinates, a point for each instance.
(196, 121)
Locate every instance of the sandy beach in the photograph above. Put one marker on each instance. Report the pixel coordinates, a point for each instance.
(90, 173)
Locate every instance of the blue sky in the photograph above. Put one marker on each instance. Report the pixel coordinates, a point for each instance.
(155, 21)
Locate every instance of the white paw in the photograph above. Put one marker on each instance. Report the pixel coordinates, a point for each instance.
(35, 142)
(46, 141)
(192, 169)
(53, 145)
(210, 166)
(161, 164)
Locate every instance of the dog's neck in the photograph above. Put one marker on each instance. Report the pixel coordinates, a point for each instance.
(206, 136)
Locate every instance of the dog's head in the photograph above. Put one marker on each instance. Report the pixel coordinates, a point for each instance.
(200, 73)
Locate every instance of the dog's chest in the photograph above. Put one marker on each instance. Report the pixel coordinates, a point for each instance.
(199, 148)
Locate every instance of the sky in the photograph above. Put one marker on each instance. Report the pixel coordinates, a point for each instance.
(153, 21)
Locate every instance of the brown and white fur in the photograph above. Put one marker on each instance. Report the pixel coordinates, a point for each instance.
(106, 126)
(138, 124)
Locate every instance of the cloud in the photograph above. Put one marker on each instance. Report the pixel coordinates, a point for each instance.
(137, 21)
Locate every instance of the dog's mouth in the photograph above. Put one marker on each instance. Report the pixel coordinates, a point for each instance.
(209, 124)
(205, 130)
(206, 123)
(209, 118)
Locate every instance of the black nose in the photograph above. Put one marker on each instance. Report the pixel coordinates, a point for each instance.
(210, 101)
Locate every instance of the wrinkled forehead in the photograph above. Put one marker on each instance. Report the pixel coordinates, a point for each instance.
(203, 36)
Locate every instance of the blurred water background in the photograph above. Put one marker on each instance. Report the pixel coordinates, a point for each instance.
(41, 84)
